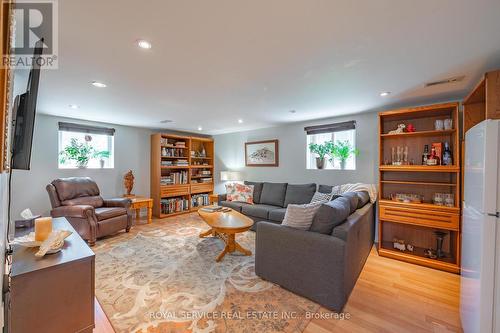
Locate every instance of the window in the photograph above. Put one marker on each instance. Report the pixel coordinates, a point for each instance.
(344, 133)
(82, 146)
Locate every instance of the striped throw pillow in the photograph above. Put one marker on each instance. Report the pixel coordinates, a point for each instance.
(321, 197)
(300, 216)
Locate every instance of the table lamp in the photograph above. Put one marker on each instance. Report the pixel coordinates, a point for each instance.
(230, 175)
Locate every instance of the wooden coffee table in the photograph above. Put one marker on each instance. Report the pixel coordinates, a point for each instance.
(226, 226)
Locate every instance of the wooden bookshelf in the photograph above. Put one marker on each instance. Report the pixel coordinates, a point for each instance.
(178, 171)
(416, 223)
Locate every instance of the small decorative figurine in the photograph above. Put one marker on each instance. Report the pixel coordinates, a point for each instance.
(399, 130)
(409, 247)
(128, 182)
(410, 128)
(399, 244)
(429, 253)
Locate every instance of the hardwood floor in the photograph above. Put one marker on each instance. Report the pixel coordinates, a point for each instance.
(389, 296)
(394, 296)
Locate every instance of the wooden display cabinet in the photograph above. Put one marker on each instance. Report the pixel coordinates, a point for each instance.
(180, 173)
(417, 222)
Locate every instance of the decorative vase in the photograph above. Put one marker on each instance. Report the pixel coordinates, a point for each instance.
(439, 246)
(320, 162)
(101, 161)
(342, 165)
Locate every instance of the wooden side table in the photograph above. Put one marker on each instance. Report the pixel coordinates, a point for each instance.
(138, 203)
(213, 198)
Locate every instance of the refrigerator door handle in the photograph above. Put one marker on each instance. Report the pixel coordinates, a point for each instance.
(497, 214)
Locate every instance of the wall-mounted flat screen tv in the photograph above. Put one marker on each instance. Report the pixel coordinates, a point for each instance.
(25, 109)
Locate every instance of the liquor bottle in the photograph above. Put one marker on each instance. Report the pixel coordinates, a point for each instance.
(433, 159)
(447, 156)
(425, 155)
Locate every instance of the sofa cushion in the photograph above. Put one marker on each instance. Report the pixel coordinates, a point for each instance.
(353, 198)
(257, 190)
(233, 204)
(239, 192)
(300, 216)
(273, 194)
(325, 188)
(321, 197)
(94, 201)
(363, 198)
(261, 211)
(330, 215)
(105, 213)
(75, 187)
(299, 194)
(277, 215)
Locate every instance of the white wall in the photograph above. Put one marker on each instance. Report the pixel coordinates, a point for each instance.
(230, 154)
(132, 151)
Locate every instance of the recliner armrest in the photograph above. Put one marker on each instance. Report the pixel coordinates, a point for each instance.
(81, 211)
(117, 202)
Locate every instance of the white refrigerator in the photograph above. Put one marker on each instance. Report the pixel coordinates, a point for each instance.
(480, 280)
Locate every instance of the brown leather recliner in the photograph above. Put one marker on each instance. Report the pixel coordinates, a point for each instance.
(78, 199)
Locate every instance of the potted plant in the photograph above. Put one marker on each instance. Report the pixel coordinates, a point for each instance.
(342, 150)
(321, 150)
(82, 152)
(102, 155)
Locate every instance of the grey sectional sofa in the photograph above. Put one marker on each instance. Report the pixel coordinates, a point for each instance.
(323, 263)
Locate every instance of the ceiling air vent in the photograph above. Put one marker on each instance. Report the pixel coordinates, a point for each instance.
(166, 121)
(445, 81)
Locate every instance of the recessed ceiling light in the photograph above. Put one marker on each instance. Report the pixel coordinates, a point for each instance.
(200, 128)
(144, 44)
(385, 93)
(240, 121)
(293, 111)
(98, 84)
(74, 106)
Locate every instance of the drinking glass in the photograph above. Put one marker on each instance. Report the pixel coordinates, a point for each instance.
(448, 124)
(439, 125)
(438, 199)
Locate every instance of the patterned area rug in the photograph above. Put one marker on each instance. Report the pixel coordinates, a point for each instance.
(162, 277)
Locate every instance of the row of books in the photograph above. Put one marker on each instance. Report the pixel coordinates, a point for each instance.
(180, 177)
(174, 205)
(198, 200)
(174, 163)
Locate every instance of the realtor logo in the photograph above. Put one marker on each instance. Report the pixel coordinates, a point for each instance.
(33, 21)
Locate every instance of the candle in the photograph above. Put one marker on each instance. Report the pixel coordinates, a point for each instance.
(43, 228)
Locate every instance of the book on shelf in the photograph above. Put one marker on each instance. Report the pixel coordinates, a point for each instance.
(181, 163)
(174, 205)
(198, 200)
(175, 178)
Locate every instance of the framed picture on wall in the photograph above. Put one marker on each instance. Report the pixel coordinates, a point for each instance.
(262, 153)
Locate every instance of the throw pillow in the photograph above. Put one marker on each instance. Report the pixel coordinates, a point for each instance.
(321, 197)
(300, 216)
(240, 193)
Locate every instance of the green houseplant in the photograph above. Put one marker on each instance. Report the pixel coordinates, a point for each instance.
(321, 150)
(342, 150)
(81, 153)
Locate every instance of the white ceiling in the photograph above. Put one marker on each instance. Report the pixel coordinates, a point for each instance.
(214, 62)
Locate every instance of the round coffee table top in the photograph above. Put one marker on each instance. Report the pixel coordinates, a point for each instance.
(228, 222)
